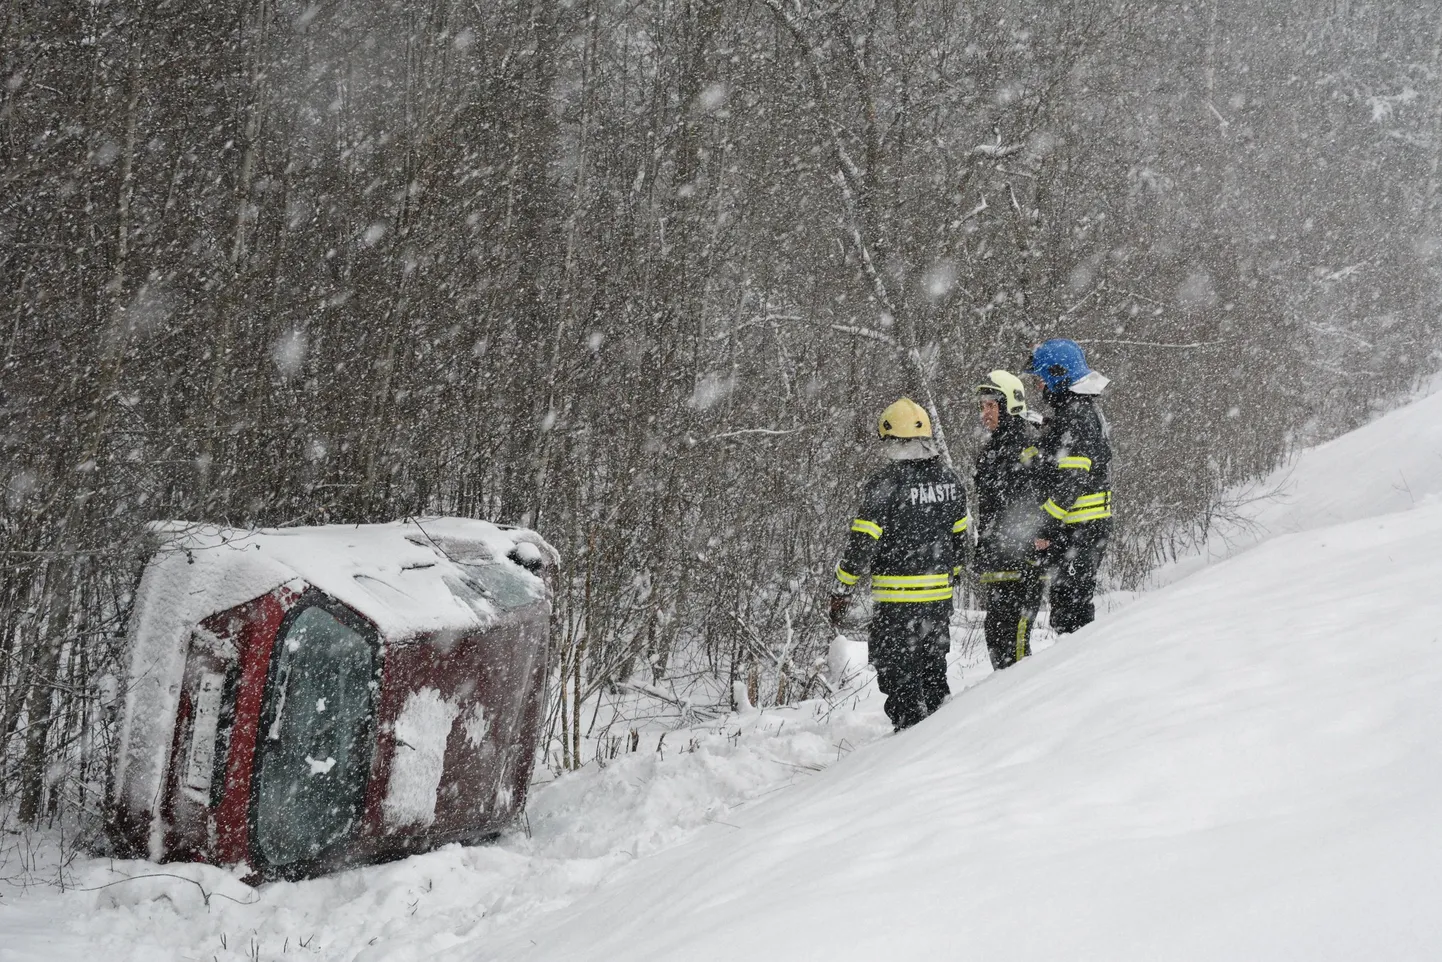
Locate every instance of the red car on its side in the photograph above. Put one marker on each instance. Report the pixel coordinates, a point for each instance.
(302, 699)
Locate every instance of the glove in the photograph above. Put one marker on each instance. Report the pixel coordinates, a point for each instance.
(839, 605)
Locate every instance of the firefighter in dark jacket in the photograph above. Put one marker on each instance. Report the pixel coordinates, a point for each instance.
(1075, 480)
(1006, 519)
(908, 537)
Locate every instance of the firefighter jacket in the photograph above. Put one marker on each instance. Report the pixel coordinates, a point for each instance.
(909, 534)
(1074, 466)
(1005, 515)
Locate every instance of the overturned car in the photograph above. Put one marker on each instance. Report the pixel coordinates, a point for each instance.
(301, 699)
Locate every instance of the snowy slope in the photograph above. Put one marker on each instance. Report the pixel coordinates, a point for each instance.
(1392, 464)
(1242, 766)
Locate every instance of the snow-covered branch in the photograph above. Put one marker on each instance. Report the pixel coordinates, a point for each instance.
(1160, 344)
(869, 333)
(769, 432)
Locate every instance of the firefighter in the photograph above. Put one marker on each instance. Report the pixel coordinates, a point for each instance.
(1074, 471)
(1006, 518)
(907, 537)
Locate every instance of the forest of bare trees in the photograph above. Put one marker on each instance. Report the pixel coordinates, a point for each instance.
(640, 273)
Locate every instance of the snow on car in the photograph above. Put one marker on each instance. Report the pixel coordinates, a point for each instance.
(300, 699)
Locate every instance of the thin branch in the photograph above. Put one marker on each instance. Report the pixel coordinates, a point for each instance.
(1084, 298)
(772, 432)
(1180, 347)
(205, 894)
(870, 333)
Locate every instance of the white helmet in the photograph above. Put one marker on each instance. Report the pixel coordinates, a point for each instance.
(1008, 387)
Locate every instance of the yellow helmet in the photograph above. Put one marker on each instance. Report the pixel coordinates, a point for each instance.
(905, 419)
(1009, 386)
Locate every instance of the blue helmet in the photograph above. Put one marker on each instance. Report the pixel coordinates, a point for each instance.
(1059, 363)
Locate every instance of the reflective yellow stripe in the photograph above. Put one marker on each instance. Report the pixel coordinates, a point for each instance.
(867, 527)
(1053, 509)
(1090, 514)
(961, 525)
(1090, 507)
(992, 577)
(844, 576)
(1021, 637)
(956, 572)
(1028, 453)
(939, 580)
(923, 594)
(1075, 461)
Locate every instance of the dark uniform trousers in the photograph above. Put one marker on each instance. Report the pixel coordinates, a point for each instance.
(1074, 559)
(909, 644)
(1011, 607)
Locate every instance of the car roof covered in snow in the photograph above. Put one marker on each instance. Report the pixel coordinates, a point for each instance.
(409, 578)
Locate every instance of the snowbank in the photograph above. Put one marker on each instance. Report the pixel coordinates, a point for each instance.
(583, 828)
(1241, 766)
(1392, 464)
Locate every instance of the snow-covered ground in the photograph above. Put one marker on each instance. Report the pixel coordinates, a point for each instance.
(1393, 464)
(1241, 765)
(581, 830)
